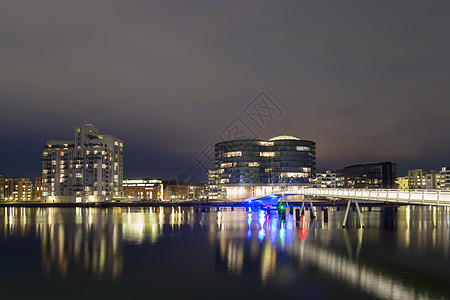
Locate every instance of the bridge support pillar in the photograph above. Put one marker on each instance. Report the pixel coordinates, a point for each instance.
(313, 213)
(346, 213)
(303, 206)
(359, 214)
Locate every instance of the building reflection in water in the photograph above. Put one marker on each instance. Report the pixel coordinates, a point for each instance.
(333, 251)
(92, 240)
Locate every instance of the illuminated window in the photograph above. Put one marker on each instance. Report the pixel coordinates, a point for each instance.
(253, 164)
(266, 143)
(232, 154)
(226, 165)
(45, 154)
(301, 148)
(267, 154)
(293, 175)
(79, 175)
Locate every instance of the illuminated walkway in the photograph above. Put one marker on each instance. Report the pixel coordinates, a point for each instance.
(424, 197)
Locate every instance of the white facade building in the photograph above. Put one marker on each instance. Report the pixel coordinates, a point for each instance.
(325, 179)
(445, 178)
(87, 169)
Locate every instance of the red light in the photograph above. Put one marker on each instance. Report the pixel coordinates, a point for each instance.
(303, 233)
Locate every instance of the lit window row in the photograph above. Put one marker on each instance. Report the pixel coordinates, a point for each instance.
(232, 154)
(267, 154)
(302, 148)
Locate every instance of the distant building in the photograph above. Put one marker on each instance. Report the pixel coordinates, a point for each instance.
(423, 179)
(18, 189)
(86, 169)
(216, 191)
(2, 187)
(325, 179)
(143, 189)
(374, 175)
(251, 167)
(445, 178)
(179, 190)
(38, 189)
(403, 182)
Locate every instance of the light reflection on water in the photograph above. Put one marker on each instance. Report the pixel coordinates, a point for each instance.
(403, 253)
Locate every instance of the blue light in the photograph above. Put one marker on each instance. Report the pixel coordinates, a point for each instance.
(274, 225)
(249, 233)
(261, 234)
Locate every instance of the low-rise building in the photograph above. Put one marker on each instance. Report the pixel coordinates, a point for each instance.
(445, 178)
(143, 189)
(38, 189)
(374, 175)
(325, 179)
(179, 190)
(423, 179)
(2, 187)
(18, 189)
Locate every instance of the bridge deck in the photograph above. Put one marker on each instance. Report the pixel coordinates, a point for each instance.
(425, 197)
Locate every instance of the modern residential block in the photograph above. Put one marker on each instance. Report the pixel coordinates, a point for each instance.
(423, 179)
(86, 169)
(445, 178)
(251, 167)
(18, 189)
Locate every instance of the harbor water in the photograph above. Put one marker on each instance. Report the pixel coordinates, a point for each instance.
(223, 253)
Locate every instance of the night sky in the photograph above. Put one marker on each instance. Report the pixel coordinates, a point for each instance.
(368, 81)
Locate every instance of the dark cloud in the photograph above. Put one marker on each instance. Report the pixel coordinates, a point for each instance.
(366, 81)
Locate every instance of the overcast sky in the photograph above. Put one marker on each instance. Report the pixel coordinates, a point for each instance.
(368, 81)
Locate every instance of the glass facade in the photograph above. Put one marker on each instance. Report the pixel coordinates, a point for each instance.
(376, 175)
(280, 160)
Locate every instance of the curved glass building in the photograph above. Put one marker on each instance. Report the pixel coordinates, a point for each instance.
(281, 161)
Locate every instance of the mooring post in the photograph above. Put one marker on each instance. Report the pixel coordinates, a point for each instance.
(360, 215)
(346, 213)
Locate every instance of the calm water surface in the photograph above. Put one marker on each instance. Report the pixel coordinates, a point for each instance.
(225, 253)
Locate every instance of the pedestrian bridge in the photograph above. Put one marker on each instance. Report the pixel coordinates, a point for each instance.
(415, 197)
(423, 197)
